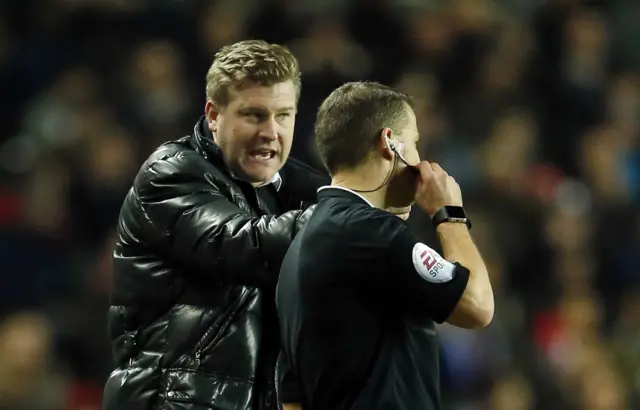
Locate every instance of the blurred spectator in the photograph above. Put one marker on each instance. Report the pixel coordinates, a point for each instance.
(512, 392)
(533, 106)
(27, 376)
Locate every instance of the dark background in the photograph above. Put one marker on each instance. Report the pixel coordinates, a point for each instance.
(534, 107)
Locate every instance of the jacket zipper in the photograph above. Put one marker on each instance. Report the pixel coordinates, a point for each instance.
(279, 405)
(218, 328)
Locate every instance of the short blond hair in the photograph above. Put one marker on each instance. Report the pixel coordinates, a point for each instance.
(254, 61)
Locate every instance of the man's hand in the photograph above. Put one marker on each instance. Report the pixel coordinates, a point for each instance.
(436, 188)
(291, 406)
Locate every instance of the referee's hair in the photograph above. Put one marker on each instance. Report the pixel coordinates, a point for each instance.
(351, 118)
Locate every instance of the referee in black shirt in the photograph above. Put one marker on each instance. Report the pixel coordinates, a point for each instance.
(358, 293)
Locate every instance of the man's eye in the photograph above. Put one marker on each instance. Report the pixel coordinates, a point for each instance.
(283, 115)
(253, 116)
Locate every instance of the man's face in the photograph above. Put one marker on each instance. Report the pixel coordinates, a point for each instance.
(255, 130)
(402, 185)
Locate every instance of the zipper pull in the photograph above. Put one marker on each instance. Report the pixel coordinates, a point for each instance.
(197, 360)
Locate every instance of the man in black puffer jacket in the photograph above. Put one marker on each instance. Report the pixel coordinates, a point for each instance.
(201, 237)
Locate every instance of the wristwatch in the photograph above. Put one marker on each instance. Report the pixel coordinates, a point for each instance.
(450, 213)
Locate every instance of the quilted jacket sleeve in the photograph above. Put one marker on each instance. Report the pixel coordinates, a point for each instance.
(301, 183)
(208, 233)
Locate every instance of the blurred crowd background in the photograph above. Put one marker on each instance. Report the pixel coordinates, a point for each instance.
(534, 107)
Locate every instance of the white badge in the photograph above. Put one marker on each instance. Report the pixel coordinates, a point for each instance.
(431, 266)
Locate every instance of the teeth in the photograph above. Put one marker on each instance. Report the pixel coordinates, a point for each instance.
(263, 155)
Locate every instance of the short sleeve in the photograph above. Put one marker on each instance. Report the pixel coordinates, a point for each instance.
(426, 280)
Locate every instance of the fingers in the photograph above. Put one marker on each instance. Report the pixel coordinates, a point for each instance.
(429, 170)
(437, 169)
(426, 172)
(424, 166)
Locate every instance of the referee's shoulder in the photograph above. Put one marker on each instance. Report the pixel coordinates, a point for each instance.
(365, 219)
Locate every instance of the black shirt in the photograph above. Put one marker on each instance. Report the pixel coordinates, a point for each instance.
(357, 299)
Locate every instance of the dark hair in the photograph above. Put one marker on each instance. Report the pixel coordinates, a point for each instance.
(351, 118)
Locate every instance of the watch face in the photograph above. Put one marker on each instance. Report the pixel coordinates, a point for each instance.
(456, 212)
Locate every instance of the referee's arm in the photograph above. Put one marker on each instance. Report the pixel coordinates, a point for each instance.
(453, 289)
(471, 305)
(476, 305)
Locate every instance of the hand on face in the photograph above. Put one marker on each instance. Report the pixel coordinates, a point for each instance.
(436, 188)
(401, 190)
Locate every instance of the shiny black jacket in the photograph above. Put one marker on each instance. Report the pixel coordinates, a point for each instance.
(192, 317)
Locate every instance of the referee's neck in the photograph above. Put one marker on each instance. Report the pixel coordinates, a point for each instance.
(361, 185)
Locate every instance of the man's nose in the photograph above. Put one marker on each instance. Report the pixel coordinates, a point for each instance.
(269, 130)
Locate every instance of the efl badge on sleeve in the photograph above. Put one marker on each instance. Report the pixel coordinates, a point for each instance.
(430, 265)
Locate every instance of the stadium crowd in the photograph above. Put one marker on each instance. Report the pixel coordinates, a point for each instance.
(534, 107)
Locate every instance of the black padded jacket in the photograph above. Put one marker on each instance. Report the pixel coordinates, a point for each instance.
(195, 267)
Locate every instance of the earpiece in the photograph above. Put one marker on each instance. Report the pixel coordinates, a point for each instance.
(391, 144)
(398, 149)
(395, 146)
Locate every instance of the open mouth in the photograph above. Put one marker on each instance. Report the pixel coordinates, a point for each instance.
(262, 154)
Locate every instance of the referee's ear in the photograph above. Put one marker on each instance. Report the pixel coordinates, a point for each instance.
(386, 143)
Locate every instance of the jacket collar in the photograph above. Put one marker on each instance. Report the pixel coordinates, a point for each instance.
(202, 141)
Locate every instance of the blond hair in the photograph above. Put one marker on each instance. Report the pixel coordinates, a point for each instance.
(252, 61)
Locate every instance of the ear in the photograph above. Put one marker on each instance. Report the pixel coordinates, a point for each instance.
(385, 143)
(211, 112)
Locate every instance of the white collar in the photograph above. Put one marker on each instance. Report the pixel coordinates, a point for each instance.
(348, 190)
(277, 181)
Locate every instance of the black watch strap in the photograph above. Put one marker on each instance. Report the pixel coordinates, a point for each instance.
(454, 214)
